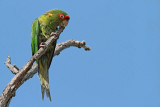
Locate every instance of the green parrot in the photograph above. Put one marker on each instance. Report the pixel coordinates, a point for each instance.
(42, 27)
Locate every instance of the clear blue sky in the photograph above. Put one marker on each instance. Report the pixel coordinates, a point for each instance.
(121, 70)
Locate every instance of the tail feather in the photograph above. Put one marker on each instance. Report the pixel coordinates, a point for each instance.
(43, 75)
(42, 90)
(48, 94)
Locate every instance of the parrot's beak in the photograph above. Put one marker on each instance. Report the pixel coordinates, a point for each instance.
(65, 21)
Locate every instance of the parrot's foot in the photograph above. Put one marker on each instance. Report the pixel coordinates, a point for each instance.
(53, 33)
(42, 44)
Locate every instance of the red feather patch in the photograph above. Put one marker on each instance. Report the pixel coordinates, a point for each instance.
(61, 16)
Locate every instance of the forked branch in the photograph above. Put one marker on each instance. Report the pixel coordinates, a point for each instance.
(28, 71)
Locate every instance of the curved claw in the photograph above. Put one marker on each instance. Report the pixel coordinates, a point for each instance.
(42, 44)
(53, 33)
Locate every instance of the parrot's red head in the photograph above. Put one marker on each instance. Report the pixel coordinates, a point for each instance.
(64, 18)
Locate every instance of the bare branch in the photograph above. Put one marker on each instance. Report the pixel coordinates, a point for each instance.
(68, 44)
(16, 81)
(59, 48)
(4, 98)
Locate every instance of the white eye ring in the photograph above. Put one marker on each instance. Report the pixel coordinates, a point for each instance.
(62, 16)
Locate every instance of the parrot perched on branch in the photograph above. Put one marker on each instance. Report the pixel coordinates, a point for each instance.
(42, 27)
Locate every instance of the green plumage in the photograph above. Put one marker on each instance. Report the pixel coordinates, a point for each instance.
(42, 27)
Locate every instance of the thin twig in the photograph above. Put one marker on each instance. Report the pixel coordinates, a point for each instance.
(70, 43)
(12, 68)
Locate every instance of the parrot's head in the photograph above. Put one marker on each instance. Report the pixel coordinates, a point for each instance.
(59, 17)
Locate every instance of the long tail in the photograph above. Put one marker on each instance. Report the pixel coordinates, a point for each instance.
(43, 75)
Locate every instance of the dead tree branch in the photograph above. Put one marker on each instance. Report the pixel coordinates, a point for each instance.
(16, 81)
(28, 70)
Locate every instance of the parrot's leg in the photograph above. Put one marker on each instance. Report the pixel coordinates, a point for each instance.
(42, 44)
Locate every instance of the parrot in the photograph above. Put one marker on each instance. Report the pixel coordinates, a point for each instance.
(41, 29)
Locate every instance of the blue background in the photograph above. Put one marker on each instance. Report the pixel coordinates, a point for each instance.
(121, 70)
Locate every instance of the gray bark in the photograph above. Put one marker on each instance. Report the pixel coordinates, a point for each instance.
(28, 70)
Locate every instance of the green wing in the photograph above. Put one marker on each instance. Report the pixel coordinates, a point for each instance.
(35, 33)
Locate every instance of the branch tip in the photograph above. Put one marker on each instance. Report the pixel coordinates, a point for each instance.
(86, 48)
(8, 60)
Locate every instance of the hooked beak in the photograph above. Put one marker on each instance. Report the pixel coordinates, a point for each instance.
(66, 17)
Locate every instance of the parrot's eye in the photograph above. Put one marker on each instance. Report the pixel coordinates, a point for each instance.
(61, 16)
